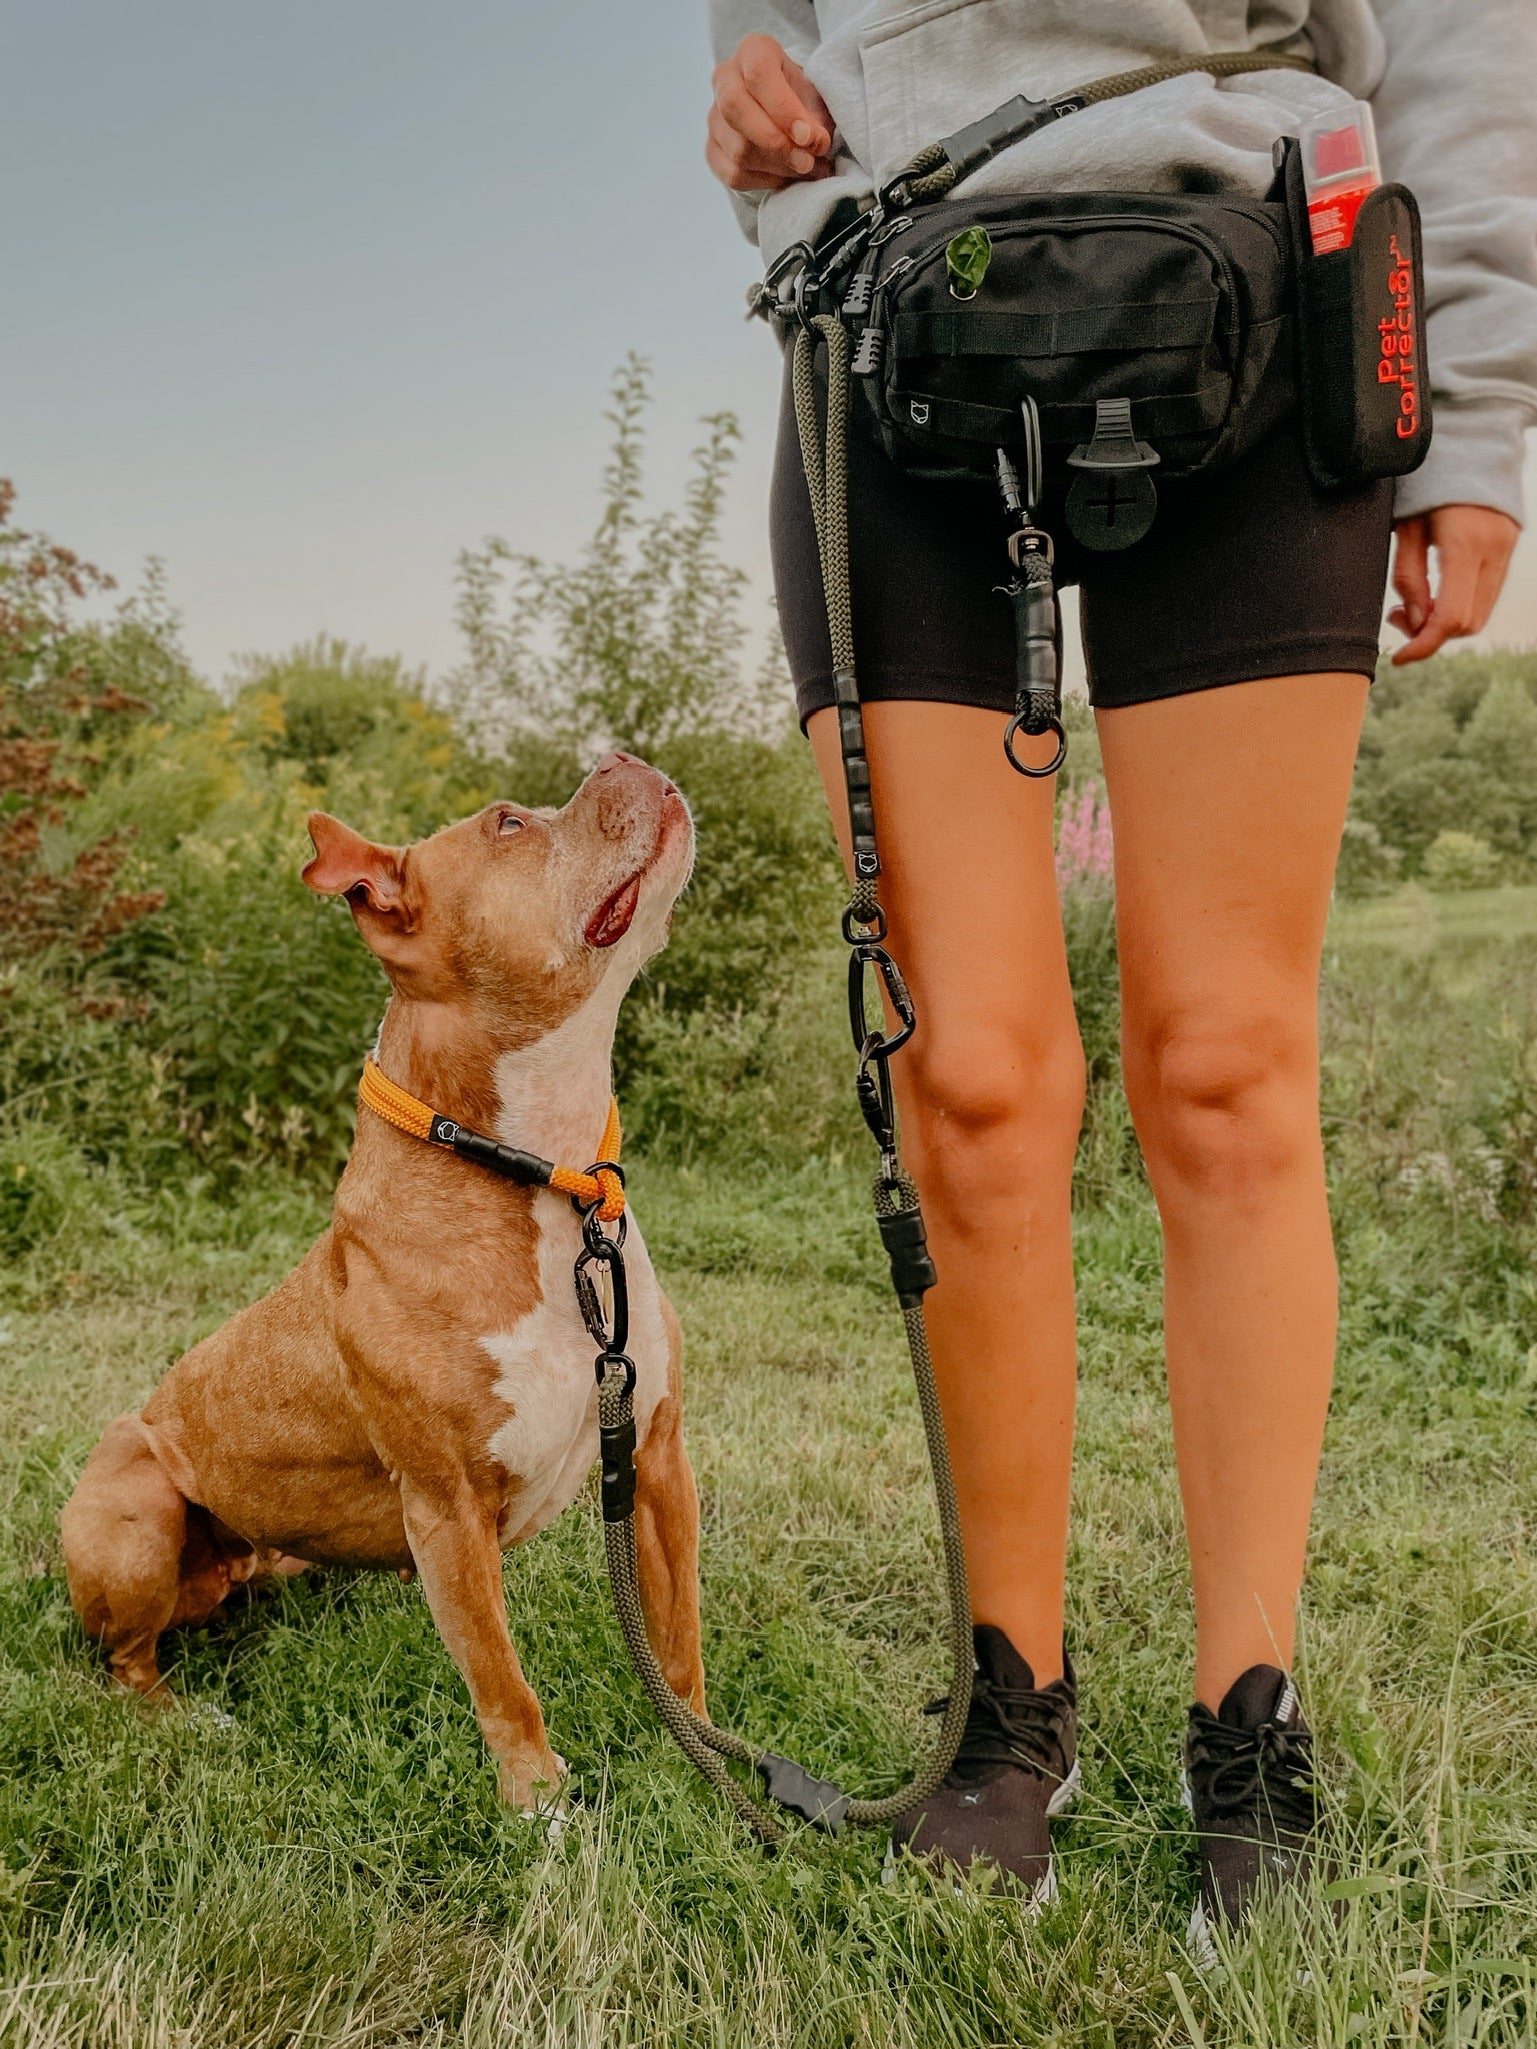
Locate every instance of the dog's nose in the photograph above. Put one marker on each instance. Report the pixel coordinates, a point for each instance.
(615, 759)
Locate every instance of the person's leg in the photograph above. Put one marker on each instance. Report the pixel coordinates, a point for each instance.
(1228, 806)
(990, 1092)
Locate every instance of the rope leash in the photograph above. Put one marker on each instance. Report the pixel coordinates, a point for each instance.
(819, 1801)
(936, 170)
(597, 1194)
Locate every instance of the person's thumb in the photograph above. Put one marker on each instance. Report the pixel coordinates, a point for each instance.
(818, 123)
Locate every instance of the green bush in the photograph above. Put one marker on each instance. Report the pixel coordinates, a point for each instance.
(1459, 860)
(1451, 746)
(190, 1010)
(1367, 864)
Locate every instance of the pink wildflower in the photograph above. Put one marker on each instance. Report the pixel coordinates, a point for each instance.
(1085, 848)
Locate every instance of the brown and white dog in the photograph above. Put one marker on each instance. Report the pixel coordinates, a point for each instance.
(419, 1392)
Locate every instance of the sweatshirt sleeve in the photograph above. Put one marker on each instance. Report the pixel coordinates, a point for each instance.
(793, 25)
(1455, 123)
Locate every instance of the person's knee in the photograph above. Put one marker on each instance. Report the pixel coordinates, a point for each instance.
(991, 1112)
(1224, 1108)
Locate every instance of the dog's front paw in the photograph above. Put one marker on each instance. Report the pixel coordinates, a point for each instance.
(532, 1785)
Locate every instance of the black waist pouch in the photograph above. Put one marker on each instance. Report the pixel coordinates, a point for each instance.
(1179, 305)
(1361, 338)
(1187, 327)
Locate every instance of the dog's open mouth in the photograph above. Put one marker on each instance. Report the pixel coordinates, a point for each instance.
(612, 919)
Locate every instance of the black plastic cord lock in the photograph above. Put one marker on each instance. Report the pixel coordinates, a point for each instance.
(616, 1450)
(791, 1786)
(907, 1247)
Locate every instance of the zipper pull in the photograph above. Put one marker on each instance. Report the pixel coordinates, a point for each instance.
(867, 357)
(861, 288)
(872, 343)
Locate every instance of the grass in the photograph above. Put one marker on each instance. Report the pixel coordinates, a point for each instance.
(309, 1851)
(1416, 920)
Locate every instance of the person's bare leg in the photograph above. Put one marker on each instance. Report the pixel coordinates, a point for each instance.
(990, 1093)
(1228, 806)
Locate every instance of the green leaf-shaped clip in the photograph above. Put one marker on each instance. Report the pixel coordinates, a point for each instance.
(967, 256)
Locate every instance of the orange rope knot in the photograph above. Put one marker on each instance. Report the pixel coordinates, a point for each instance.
(606, 1188)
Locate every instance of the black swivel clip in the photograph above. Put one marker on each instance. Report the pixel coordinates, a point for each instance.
(1032, 591)
(600, 1272)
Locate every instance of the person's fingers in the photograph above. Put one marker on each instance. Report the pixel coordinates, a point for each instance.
(746, 162)
(1411, 570)
(1411, 580)
(820, 123)
(781, 89)
(1452, 611)
(1473, 545)
(747, 134)
(735, 179)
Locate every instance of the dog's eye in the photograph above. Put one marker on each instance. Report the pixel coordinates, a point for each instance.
(508, 824)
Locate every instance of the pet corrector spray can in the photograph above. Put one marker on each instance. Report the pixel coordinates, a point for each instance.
(1339, 168)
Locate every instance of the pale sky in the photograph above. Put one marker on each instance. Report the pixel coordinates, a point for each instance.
(305, 296)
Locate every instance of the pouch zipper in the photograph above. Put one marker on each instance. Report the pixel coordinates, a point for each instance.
(1149, 223)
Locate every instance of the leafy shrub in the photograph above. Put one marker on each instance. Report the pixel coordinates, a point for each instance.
(1460, 860)
(1452, 747)
(58, 712)
(639, 645)
(1367, 864)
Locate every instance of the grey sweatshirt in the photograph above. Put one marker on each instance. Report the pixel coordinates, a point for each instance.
(1453, 84)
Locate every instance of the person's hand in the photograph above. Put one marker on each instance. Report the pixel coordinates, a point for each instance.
(769, 126)
(1473, 545)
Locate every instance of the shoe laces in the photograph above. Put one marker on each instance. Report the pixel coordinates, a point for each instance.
(1007, 1725)
(1264, 1773)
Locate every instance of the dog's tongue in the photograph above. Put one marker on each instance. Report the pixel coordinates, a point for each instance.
(611, 920)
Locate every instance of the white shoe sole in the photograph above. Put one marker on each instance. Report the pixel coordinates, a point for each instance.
(1045, 1890)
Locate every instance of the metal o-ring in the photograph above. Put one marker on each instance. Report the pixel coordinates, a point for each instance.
(1015, 725)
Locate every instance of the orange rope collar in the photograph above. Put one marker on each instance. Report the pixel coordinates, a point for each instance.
(603, 1186)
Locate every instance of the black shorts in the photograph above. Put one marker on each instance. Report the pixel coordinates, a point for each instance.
(1252, 573)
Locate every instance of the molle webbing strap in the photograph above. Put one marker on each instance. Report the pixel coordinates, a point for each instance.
(969, 331)
(1174, 413)
(397, 1106)
(938, 169)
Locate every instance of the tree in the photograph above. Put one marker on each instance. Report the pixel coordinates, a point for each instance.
(636, 642)
(58, 700)
(1501, 741)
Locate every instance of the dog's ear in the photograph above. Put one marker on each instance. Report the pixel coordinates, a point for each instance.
(369, 876)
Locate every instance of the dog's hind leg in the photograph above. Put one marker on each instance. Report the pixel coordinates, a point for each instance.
(124, 1530)
(667, 1538)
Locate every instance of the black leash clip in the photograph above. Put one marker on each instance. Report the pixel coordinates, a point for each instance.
(868, 1037)
(609, 1331)
(1032, 592)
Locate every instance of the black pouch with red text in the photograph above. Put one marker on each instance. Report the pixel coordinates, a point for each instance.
(1361, 338)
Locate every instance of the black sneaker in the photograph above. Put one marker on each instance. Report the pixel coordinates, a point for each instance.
(1249, 1786)
(1016, 1767)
